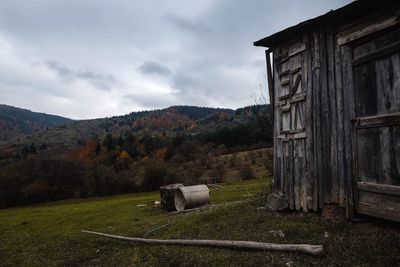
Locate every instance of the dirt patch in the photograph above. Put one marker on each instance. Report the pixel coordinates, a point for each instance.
(334, 213)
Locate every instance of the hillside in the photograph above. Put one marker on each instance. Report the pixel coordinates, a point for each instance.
(71, 134)
(16, 122)
(132, 153)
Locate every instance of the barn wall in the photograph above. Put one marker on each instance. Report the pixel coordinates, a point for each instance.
(313, 128)
(337, 114)
(313, 166)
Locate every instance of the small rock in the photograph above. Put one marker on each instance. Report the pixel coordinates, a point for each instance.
(141, 205)
(326, 235)
(277, 233)
(276, 202)
(289, 263)
(97, 250)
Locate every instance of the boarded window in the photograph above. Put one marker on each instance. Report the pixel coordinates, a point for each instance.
(377, 75)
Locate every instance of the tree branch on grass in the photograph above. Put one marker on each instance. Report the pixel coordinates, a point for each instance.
(315, 250)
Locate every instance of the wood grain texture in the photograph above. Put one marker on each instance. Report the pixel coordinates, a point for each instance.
(338, 111)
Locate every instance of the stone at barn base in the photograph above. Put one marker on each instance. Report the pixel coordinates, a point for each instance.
(276, 202)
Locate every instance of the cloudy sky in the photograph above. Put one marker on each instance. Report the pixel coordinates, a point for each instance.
(96, 58)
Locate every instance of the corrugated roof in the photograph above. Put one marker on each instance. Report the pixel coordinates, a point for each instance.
(350, 11)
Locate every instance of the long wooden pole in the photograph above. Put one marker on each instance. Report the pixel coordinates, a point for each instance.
(315, 250)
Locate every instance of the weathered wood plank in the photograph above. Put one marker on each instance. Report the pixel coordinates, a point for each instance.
(297, 48)
(300, 125)
(285, 92)
(376, 43)
(270, 82)
(300, 135)
(318, 146)
(298, 98)
(285, 82)
(340, 125)
(376, 54)
(278, 153)
(296, 87)
(381, 212)
(284, 73)
(379, 188)
(325, 119)
(388, 84)
(285, 121)
(359, 33)
(288, 173)
(395, 155)
(348, 116)
(365, 89)
(333, 122)
(297, 175)
(309, 154)
(369, 155)
(378, 120)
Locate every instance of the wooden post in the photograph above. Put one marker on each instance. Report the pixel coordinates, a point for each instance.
(270, 83)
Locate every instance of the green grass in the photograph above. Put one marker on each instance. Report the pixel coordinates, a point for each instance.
(49, 235)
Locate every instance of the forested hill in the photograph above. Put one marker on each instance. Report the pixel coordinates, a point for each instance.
(17, 121)
(200, 112)
(23, 127)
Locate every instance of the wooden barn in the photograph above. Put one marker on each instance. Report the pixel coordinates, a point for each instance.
(334, 83)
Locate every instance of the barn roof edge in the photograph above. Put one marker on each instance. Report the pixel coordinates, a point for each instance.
(354, 9)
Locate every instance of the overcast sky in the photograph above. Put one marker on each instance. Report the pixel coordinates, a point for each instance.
(97, 58)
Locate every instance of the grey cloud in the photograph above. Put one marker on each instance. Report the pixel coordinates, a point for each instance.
(61, 70)
(94, 76)
(100, 81)
(150, 67)
(202, 49)
(183, 81)
(149, 101)
(186, 24)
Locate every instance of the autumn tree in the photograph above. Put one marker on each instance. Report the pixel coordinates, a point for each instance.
(154, 175)
(108, 142)
(37, 191)
(124, 155)
(120, 141)
(90, 150)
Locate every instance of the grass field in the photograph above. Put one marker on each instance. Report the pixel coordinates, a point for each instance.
(49, 235)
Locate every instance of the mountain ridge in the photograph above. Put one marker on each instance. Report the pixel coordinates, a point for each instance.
(15, 121)
(171, 121)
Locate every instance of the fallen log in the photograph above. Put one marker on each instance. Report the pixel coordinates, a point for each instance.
(315, 250)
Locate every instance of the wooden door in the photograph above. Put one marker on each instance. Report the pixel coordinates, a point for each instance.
(290, 134)
(376, 127)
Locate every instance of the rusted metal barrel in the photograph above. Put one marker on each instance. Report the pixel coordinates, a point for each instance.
(188, 197)
(167, 195)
